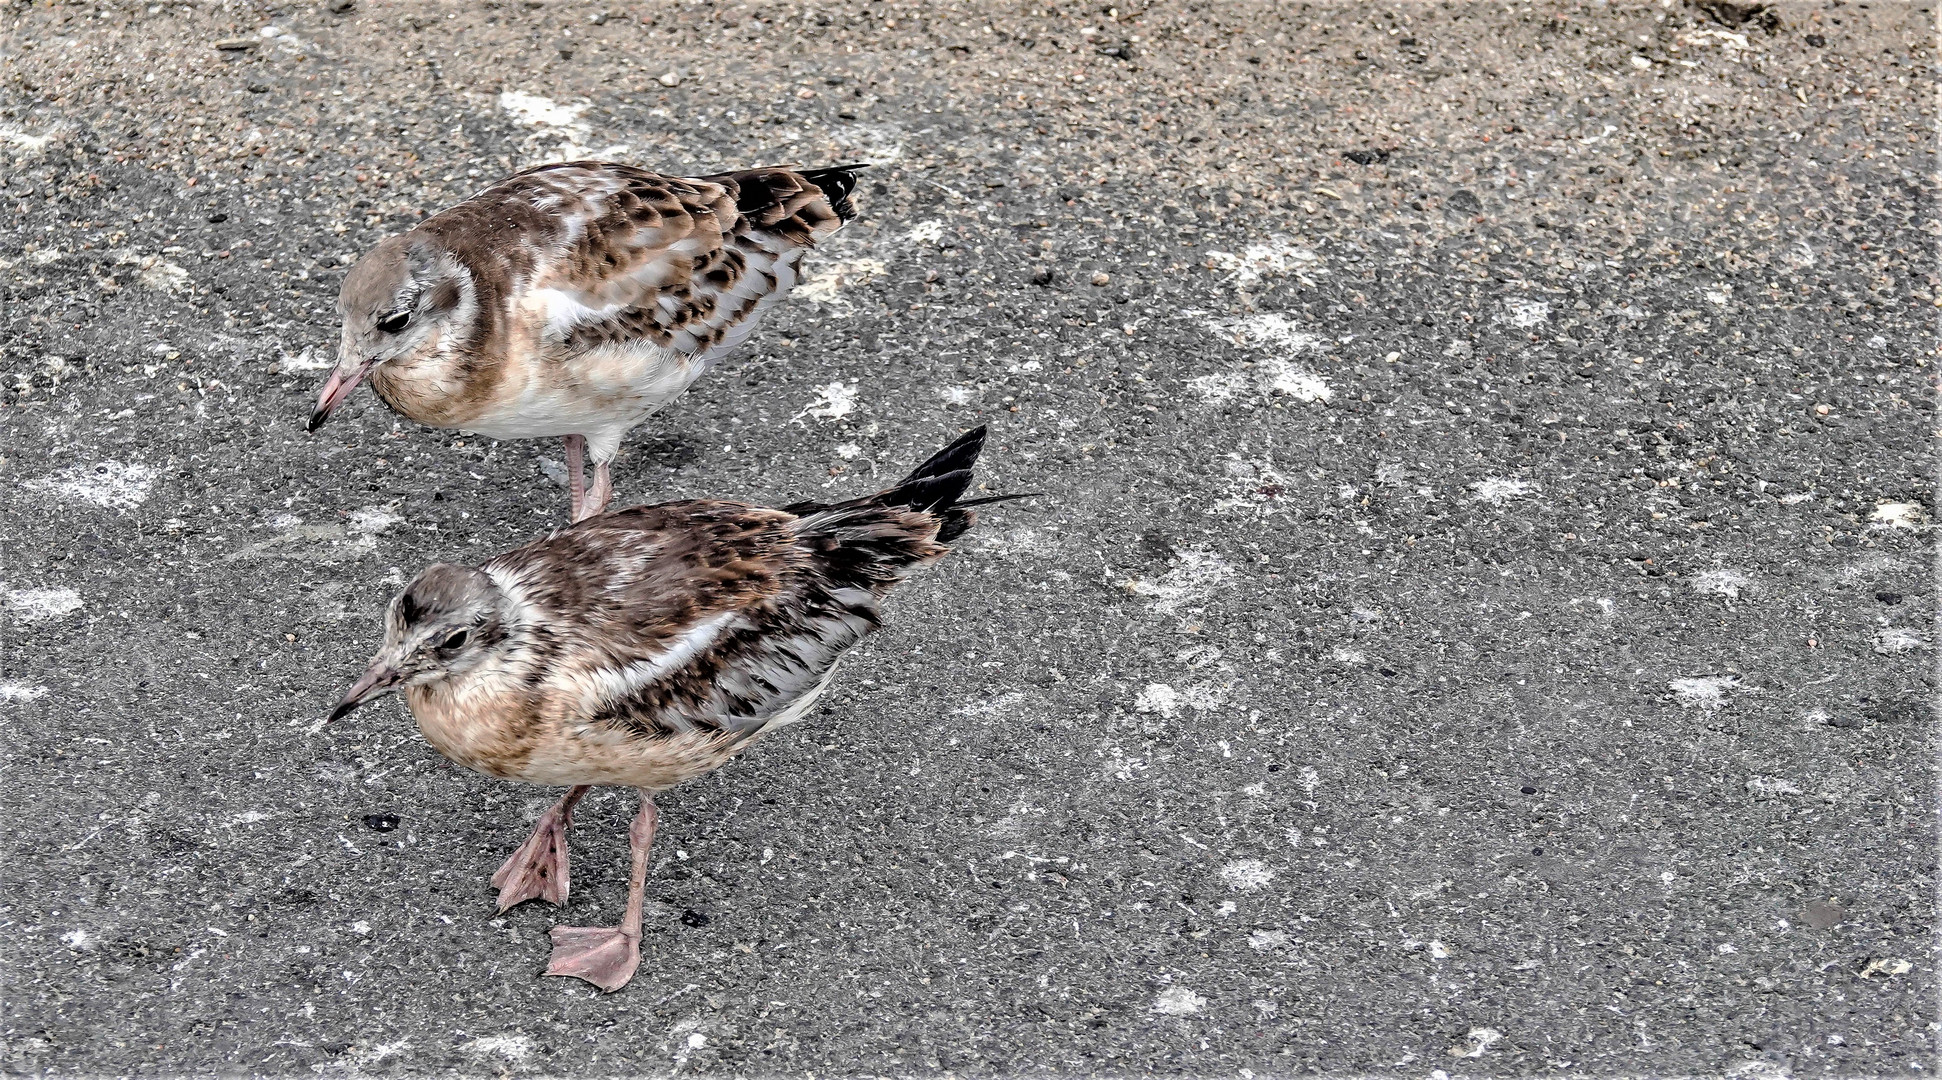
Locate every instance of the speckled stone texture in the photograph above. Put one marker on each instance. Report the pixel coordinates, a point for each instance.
(1479, 619)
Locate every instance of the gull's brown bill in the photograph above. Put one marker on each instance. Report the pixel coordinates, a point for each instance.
(336, 388)
(372, 683)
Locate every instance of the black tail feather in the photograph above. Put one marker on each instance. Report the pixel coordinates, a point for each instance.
(837, 182)
(936, 487)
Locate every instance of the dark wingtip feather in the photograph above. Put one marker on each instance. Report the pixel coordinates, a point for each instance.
(837, 182)
(961, 454)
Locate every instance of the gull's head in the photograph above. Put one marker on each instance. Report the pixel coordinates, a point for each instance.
(448, 621)
(403, 300)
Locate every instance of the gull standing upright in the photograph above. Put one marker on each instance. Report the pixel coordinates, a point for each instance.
(575, 300)
(646, 647)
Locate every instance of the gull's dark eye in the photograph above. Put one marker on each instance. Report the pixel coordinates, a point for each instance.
(456, 641)
(395, 321)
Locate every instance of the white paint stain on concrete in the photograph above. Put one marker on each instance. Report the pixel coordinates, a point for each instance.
(34, 605)
(1178, 1001)
(1193, 577)
(833, 402)
(1498, 490)
(1725, 583)
(14, 693)
(115, 485)
(1703, 691)
(1247, 875)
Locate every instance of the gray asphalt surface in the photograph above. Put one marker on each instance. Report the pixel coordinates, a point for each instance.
(1479, 621)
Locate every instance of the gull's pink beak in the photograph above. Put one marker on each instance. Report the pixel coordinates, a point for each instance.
(336, 389)
(380, 678)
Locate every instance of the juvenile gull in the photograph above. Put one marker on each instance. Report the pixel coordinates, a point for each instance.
(645, 647)
(575, 300)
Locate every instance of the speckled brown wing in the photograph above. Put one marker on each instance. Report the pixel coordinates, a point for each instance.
(688, 265)
(709, 616)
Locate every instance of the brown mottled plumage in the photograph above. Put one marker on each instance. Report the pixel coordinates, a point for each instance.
(575, 299)
(646, 647)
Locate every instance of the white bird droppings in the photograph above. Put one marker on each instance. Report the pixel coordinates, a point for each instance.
(1168, 702)
(1263, 940)
(1158, 698)
(1498, 490)
(1276, 373)
(1897, 515)
(1247, 875)
(833, 402)
(925, 232)
(1887, 965)
(372, 520)
(1194, 575)
(79, 940)
(535, 111)
(826, 285)
(1896, 639)
(115, 485)
(1772, 785)
(550, 119)
(1719, 583)
(1479, 1039)
(14, 693)
(1178, 1001)
(1523, 313)
(1703, 691)
(511, 1047)
(33, 605)
(1279, 256)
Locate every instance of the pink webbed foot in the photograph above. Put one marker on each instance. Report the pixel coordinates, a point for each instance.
(605, 956)
(538, 870)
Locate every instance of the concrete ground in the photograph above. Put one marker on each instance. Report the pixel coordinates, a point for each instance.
(1479, 621)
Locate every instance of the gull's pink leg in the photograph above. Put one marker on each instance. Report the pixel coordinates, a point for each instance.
(576, 474)
(606, 956)
(538, 869)
(603, 488)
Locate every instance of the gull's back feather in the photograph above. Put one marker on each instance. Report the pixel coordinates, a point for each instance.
(717, 617)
